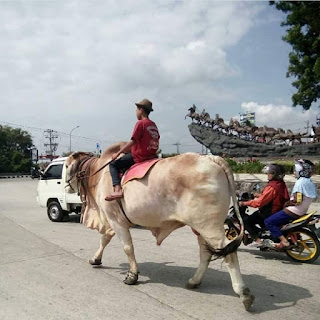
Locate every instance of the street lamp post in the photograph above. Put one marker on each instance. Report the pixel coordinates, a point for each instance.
(70, 137)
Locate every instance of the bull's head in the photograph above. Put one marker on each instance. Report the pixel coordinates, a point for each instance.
(73, 167)
(71, 177)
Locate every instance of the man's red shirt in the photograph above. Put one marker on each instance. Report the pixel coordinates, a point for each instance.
(146, 137)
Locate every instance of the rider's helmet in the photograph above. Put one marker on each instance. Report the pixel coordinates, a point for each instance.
(303, 168)
(276, 170)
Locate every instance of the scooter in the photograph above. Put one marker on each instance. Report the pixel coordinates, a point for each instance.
(304, 244)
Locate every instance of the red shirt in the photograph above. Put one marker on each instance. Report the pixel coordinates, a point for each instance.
(275, 191)
(146, 137)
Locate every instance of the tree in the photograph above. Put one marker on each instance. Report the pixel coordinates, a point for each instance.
(303, 33)
(14, 150)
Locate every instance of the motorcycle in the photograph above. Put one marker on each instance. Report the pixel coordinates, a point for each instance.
(304, 244)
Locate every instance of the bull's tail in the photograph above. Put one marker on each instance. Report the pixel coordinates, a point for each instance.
(235, 243)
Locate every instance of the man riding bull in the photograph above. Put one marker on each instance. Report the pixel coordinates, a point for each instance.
(143, 146)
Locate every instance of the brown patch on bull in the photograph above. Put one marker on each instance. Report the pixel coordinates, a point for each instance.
(182, 180)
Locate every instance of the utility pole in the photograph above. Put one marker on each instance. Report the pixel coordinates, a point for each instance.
(70, 137)
(178, 144)
(307, 127)
(52, 146)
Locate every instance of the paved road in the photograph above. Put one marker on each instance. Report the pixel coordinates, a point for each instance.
(44, 273)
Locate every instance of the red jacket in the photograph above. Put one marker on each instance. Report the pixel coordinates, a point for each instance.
(275, 191)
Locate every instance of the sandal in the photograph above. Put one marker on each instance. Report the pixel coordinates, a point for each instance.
(281, 245)
(114, 197)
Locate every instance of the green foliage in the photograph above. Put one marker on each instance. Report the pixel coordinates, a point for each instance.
(232, 163)
(257, 166)
(303, 34)
(168, 155)
(287, 165)
(14, 153)
(245, 166)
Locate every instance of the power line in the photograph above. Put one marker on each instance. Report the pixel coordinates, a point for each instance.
(178, 146)
(59, 132)
(22, 126)
(65, 134)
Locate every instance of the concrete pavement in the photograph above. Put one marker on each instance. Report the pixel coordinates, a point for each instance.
(44, 273)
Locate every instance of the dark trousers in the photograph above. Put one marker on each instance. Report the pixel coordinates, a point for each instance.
(120, 164)
(276, 221)
(250, 222)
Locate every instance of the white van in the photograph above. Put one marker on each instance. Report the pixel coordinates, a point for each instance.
(51, 192)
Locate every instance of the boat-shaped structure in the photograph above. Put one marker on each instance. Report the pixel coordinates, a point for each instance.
(230, 145)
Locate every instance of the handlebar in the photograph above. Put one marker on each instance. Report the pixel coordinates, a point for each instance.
(245, 196)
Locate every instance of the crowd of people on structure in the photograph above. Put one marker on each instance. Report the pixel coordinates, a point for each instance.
(247, 131)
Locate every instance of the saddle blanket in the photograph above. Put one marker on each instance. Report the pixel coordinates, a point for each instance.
(138, 170)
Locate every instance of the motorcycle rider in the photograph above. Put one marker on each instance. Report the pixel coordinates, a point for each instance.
(303, 193)
(270, 201)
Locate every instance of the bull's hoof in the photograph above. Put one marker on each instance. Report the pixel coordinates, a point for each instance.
(190, 285)
(95, 262)
(131, 278)
(247, 298)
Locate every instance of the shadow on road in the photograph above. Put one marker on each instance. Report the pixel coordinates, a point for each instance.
(72, 218)
(270, 294)
(281, 256)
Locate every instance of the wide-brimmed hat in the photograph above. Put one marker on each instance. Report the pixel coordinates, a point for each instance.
(145, 103)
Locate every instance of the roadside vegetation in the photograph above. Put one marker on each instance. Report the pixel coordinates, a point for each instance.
(253, 166)
(302, 23)
(14, 150)
(256, 166)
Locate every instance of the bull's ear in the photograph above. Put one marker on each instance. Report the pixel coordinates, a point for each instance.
(76, 155)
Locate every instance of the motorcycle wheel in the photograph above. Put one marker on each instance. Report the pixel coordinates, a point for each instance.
(231, 231)
(308, 249)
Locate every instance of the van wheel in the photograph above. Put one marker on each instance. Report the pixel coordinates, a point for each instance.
(55, 212)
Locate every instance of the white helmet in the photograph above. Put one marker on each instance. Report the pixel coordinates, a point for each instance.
(303, 168)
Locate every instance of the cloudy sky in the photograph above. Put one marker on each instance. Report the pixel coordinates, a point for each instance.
(66, 63)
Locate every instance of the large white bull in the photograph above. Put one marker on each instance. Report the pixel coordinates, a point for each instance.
(188, 189)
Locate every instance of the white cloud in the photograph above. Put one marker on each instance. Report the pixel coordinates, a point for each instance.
(68, 63)
(281, 116)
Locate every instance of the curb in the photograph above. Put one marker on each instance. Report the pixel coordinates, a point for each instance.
(15, 176)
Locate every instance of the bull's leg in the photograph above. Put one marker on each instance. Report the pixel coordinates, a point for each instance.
(126, 239)
(237, 282)
(104, 240)
(205, 257)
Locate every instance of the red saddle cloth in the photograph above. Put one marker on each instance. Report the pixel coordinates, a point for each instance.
(138, 170)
